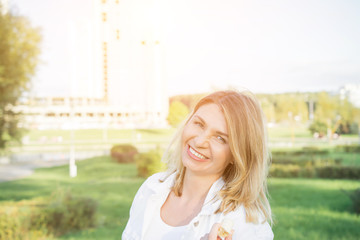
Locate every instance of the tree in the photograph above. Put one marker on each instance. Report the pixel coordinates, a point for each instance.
(177, 113)
(19, 52)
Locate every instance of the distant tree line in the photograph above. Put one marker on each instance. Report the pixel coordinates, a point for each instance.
(324, 112)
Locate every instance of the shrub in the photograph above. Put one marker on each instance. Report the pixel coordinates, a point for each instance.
(15, 224)
(10, 225)
(318, 127)
(123, 153)
(306, 161)
(284, 171)
(65, 213)
(314, 151)
(339, 172)
(149, 163)
(355, 197)
(311, 171)
(354, 148)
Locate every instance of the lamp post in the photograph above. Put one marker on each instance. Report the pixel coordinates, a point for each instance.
(72, 165)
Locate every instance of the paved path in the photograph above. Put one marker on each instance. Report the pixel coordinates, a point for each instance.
(23, 164)
(9, 172)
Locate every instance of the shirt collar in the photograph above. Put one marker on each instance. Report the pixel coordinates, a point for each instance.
(212, 200)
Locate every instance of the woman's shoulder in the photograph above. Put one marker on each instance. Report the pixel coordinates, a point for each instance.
(158, 179)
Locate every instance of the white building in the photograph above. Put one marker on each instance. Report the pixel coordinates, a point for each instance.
(116, 71)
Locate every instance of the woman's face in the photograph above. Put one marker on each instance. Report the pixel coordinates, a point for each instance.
(205, 142)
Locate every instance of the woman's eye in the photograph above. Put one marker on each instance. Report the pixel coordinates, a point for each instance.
(221, 139)
(198, 124)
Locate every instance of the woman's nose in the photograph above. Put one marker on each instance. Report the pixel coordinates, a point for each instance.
(202, 140)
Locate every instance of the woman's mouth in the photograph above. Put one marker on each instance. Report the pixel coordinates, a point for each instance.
(196, 155)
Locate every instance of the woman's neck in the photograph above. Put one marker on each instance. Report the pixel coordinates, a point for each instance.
(196, 187)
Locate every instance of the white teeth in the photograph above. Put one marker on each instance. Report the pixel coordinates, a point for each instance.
(197, 154)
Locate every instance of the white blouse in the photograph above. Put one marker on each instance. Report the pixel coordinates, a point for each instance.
(152, 194)
(159, 230)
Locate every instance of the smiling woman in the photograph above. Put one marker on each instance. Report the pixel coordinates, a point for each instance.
(217, 170)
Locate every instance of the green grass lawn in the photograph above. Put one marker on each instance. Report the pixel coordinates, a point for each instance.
(304, 209)
(313, 209)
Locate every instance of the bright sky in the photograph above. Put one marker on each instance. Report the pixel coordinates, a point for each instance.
(261, 45)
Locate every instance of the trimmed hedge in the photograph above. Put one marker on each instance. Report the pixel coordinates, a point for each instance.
(123, 153)
(355, 148)
(304, 152)
(301, 161)
(338, 172)
(331, 172)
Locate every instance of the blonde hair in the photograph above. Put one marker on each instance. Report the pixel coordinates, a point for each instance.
(245, 178)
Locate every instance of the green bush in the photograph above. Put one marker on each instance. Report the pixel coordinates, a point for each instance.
(10, 225)
(284, 171)
(338, 172)
(305, 152)
(318, 127)
(355, 197)
(149, 163)
(65, 213)
(354, 148)
(310, 171)
(15, 224)
(123, 153)
(314, 151)
(304, 161)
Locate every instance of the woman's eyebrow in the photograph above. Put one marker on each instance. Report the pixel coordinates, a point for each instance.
(221, 133)
(200, 118)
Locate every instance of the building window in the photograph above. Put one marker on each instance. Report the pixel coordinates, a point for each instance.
(104, 17)
(117, 34)
(103, 1)
(117, 1)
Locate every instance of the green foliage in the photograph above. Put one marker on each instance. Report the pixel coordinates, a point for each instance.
(10, 225)
(15, 222)
(338, 172)
(189, 100)
(304, 209)
(309, 171)
(311, 162)
(318, 127)
(177, 113)
(149, 163)
(123, 153)
(355, 148)
(65, 213)
(355, 198)
(111, 184)
(19, 48)
(307, 156)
